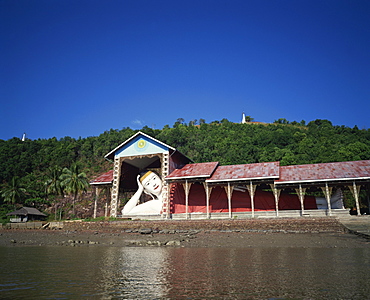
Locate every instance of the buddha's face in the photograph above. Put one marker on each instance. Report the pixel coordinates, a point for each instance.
(152, 184)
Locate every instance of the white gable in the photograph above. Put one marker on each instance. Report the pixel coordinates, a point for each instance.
(141, 145)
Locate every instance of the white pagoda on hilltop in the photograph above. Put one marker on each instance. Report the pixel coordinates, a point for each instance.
(243, 119)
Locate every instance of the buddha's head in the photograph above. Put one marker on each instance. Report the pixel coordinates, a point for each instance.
(151, 182)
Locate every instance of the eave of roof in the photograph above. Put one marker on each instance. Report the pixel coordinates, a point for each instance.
(106, 178)
(24, 211)
(258, 171)
(271, 178)
(193, 171)
(324, 172)
(333, 180)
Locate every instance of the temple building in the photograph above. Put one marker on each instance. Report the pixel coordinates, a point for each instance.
(153, 180)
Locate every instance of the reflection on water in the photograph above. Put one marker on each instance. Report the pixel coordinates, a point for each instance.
(270, 273)
(133, 272)
(179, 273)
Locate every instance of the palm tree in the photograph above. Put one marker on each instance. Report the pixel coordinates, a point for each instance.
(74, 183)
(13, 192)
(53, 184)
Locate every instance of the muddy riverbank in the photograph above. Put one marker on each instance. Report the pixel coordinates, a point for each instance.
(321, 232)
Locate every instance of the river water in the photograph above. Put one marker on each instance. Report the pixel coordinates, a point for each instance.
(51, 272)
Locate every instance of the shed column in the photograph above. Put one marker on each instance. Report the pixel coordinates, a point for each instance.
(327, 192)
(97, 193)
(208, 190)
(277, 196)
(252, 190)
(368, 195)
(301, 192)
(355, 189)
(115, 187)
(187, 187)
(229, 191)
(165, 187)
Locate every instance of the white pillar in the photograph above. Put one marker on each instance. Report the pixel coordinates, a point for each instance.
(355, 189)
(187, 187)
(208, 190)
(368, 195)
(327, 192)
(97, 192)
(229, 191)
(252, 190)
(276, 193)
(301, 192)
(115, 187)
(165, 187)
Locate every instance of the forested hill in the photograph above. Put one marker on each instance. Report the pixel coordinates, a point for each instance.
(223, 141)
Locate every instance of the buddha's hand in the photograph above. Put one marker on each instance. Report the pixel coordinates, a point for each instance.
(140, 186)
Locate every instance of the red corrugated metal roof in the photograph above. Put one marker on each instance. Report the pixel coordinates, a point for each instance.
(246, 172)
(104, 178)
(212, 172)
(194, 171)
(325, 172)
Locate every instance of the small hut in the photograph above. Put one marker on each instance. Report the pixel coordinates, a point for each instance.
(25, 214)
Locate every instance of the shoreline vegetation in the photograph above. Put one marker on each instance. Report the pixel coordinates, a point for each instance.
(286, 232)
(38, 173)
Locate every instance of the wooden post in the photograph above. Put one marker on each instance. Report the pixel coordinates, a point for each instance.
(301, 192)
(97, 192)
(208, 190)
(229, 191)
(187, 187)
(368, 195)
(252, 190)
(327, 192)
(355, 189)
(56, 211)
(277, 196)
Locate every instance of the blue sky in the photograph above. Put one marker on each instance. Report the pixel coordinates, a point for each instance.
(78, 68)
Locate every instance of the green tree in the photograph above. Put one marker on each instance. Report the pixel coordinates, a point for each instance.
(36, 194)
(282, 121)
(13, 192)
(179, 121)
(193, 122)
(249, 119)
(354, 151)
(74, 183)
(53, 184)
